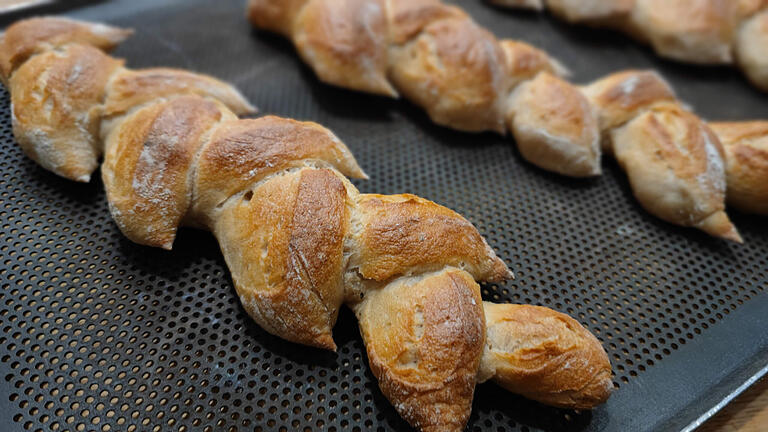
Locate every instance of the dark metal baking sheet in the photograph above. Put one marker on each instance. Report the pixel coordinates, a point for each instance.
(102, 334)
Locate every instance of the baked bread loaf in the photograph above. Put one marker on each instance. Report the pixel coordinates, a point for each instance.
(439, 58)
(694, 31)
(297, 236)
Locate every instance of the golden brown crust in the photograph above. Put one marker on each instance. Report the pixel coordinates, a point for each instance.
(695, 31)
(674, 161)
(274, 15)
(67, 94)
(524, 62)
(345, 42)
(746, 150)
(544, 355)
(555, 127)
(131, 88)
(703, 36)
(56, 99)
(25, 38)
(436, 56)
(676, 169)
(407, 18)
(148, 163)
(453, 69)
(293, 230)
(405, 234)
(240, 153)
(752, 49)
(621, 96)
(424, 336)
(283, 243)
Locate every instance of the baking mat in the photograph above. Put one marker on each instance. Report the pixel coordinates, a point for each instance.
(102, 334)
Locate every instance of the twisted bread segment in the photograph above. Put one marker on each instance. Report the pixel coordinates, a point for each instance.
(440, 59)
(695, 31)
(620, 97)
(283, 241)
(405, 234)
(66, 92)
(430, 340)
(56, 97)
(675, 162)
(456, 71)
(133, 88)
(243, 152)
(291, 238)
(699, 31)
(532, 344)
(147, 168)
(29, 37)
(298, 237)
(554, 124)
(752, 48)
(425, 336)
(675, 165)
(357, 58)
(746, 149)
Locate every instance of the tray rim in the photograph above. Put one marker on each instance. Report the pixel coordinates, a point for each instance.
(750, 374)
(726, 400)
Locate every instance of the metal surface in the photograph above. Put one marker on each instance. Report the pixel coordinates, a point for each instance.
(728, 399)
(102, 334)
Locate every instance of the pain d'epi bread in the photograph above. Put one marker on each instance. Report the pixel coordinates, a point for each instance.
(694, 31)
(673, 160)
(297, 236)
(439, 58)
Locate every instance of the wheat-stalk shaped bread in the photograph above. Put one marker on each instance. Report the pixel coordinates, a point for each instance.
(297, 236)
(436, 56)
(679, 167)
(693, 31)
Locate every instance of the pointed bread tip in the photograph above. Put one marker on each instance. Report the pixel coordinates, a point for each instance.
(250, 108)
(559, 68)
(326, 342)
(733, 236)
(360, 174)
(719, 225)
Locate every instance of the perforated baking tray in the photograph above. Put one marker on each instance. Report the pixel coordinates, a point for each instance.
(102, 334)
